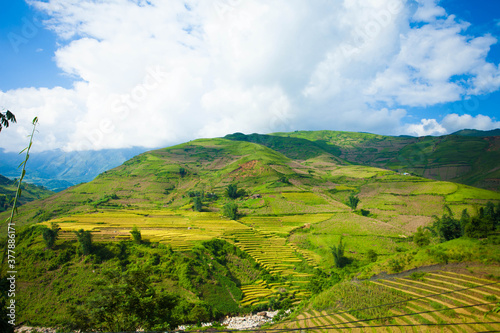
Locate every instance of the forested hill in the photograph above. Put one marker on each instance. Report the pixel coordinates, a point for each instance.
(8, 189)
(468, 157)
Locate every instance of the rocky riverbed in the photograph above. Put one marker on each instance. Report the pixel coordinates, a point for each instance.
(234, 323)
(244, 322)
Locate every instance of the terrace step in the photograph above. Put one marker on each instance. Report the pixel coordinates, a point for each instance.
(433, 292)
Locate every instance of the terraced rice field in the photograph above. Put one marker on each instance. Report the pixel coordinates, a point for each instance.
(438, 302)
(282, 225)
(180, 231)
(269, 250)
(261, 291)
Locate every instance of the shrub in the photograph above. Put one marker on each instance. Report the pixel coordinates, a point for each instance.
(136, 235)
(439, 254)
(232, 191)
(417, 276)
(338, 254)
(422, 238)
(50, 235)
(197, 204)
(85, 240)
(372, 255)
(396, 265)
(353, 201)
(231, 210)
(365, 212)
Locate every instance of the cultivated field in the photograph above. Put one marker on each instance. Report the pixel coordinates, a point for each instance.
(437, 301)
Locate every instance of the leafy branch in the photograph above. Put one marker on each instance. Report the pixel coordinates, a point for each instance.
(5, 118)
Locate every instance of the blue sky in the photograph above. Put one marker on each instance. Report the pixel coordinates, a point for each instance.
(27, 53)
(113, 74)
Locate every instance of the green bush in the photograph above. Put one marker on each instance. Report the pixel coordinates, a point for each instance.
(396, 265)
(372, 255)
(136, 235)
(338, 254)
(422, 238)
(197, 204)
(85, 240)
(50, 235)
(353, 201)
(230, 210)
(232, 191)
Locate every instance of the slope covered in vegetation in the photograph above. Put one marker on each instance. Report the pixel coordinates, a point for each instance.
(226, 226)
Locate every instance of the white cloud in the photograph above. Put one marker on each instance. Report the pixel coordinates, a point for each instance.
(453, 122)
(450, 124)
(437, 64)
(426, 127)
(159, 72)
(428, 11)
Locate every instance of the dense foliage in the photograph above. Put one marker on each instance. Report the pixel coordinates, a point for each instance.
(124, 286)
(447, 227)
(230, 210)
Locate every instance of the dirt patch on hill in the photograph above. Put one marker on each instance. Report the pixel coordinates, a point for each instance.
(248, 169)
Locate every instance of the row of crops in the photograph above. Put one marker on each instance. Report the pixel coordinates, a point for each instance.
(260, 292)
(268, 250)
(431, 302)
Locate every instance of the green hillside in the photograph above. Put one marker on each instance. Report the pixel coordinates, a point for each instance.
(294, 204)
(468, 157)
(8, 189)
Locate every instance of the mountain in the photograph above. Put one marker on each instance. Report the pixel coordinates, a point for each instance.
(472, 132)
(299, 199)
(299, 161)
(57, 170)
(470, 157)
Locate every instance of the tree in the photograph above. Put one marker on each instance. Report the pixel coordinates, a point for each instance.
(230, 210)
(125, 302)
(182, 172)
(372, 255)
(464, 220)
(5, 117)
(422, 238)
(447, 227)
(353, 201)
(50, 235)
(85, 240)
(136, 235)
(489, 211)
(197, 204)
(232, 191)
(478, 227)
(338, 254)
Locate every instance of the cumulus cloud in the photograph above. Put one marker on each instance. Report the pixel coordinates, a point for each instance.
(452, 123)
(159, 72)
(428, 11)
(426, 127)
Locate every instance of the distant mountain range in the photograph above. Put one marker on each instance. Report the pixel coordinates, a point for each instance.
(58, 170)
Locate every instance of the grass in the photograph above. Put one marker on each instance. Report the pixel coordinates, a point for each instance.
(299, 211)
(353, 301)
(454, 251)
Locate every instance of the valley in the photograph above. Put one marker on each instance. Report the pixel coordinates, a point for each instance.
(195, 261)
